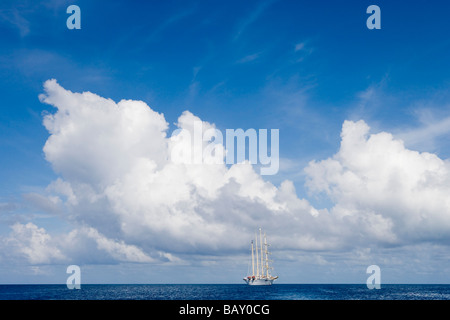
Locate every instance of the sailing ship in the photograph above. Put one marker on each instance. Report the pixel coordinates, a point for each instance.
(260, 263)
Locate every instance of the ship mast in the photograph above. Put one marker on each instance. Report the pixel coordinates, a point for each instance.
(253, 262)
(257, 259)
(267, 255)
(262, 264)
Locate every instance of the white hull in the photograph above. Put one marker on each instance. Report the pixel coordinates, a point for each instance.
(259, 282)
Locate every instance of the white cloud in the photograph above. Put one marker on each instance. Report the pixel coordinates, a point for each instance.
(395, 194)
(116, 178)
(80, 241)
(302, 50)
(128, 203)
(34, 244)
(433, 126)
(299, 46)
(129, 129)
(48, 204)
(255, 14)
(249, 58)
(14, 17)
(81, 245)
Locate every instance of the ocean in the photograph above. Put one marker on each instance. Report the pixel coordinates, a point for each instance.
(226, 292)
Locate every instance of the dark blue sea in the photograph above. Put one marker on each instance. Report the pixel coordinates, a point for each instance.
(226, 292)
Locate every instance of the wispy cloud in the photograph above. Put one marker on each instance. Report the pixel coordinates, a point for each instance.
(170, 21)
(429, 117)
(31, 63)
(302, 50)
(16, 19)
(299, 46)
(249, 58)
(432, 127)
(252, 18)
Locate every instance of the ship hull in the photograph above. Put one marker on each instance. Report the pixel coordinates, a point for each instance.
(259, 282)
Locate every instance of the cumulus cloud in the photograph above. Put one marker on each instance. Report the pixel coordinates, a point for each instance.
(34, 244)
(397, 195)
(127, 201)
(89, 131)
(116, 176)
(87, 240)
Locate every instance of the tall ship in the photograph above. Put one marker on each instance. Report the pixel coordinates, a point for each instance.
(260, 263)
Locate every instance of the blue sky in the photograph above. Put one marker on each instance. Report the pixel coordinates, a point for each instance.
(303, 67)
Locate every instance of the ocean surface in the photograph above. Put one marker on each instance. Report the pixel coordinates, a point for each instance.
(226, 292)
